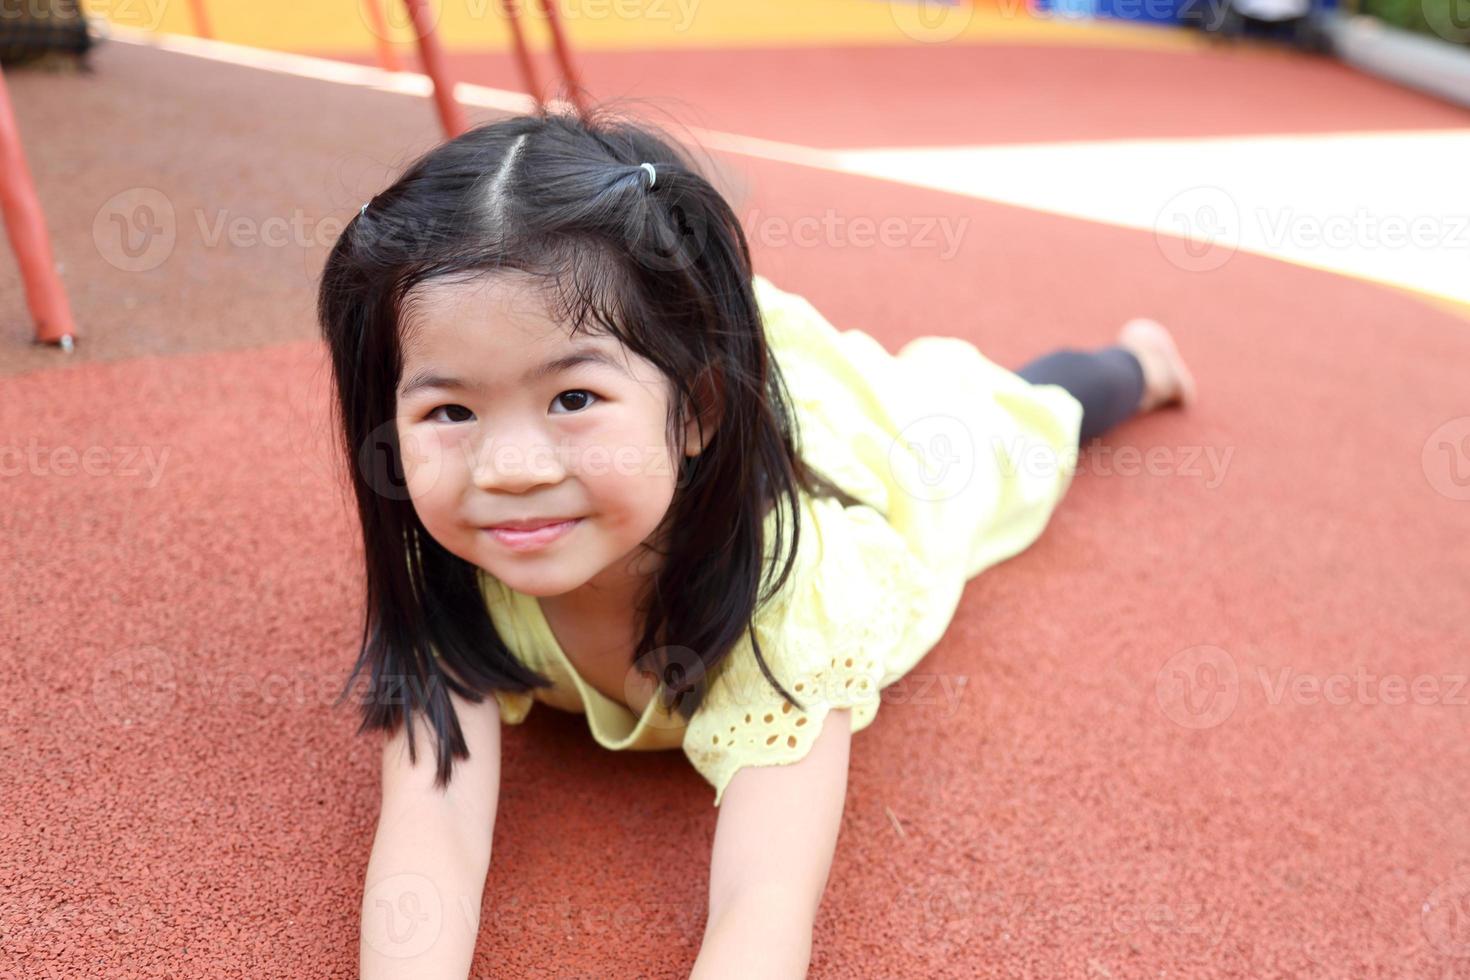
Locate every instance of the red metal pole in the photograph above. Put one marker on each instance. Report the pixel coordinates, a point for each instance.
(378, 25)
(25, 224)
(451, 116)
(523, 55)
(564, 56)
(201, 19)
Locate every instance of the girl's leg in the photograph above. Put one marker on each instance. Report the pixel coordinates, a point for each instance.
(1108, 382)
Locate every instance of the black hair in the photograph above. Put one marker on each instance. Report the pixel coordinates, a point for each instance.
(659, 261)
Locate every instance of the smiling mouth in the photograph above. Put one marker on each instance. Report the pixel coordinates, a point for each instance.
(529, 539)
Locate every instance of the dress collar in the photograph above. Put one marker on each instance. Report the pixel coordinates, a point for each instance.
(612, 723)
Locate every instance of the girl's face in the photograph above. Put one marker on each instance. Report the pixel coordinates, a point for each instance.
(503, 416)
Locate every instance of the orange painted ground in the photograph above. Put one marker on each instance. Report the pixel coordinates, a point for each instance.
(177, 614)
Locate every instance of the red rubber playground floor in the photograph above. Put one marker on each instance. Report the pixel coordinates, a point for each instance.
(1214, 723)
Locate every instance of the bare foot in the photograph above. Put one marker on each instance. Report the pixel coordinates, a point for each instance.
(1166, 379)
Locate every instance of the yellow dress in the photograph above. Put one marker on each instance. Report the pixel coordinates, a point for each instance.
(959, 464)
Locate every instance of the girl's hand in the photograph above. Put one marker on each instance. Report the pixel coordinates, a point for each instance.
(774, 840)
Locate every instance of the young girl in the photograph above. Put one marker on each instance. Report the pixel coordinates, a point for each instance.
(642, 483)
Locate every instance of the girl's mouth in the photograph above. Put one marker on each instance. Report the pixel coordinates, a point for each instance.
(532, 539)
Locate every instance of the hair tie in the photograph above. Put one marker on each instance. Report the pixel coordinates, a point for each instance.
(652, 176)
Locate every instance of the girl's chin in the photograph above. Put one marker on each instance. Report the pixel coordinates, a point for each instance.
(537, 592)
(531, 585)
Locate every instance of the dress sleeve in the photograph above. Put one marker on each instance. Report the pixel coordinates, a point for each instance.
(514, 706)
(834, 635)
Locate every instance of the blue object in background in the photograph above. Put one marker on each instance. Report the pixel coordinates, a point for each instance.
(1073, 9)
(1148, 11)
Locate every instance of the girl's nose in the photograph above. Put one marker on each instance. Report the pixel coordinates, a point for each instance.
(515, 465)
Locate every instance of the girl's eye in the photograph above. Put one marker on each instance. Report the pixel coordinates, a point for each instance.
(580, 399)
(430, 416)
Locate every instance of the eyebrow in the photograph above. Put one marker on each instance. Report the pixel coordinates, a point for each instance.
(429, 378)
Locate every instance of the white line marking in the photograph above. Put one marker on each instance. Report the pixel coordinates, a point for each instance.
(1379, 206)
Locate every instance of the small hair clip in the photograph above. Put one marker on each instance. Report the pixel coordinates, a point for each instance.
(363, 210)
(652, 175)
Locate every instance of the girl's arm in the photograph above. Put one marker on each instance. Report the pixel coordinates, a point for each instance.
(431, 854)
(774, 839)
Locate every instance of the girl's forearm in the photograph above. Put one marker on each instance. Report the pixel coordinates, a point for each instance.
(421, 905)
(767, 936)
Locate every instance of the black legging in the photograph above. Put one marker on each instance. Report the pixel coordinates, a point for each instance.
(1108, 382)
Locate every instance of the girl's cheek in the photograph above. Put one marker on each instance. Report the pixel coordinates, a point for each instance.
(632, 462)
(593, 460)
(429, 462)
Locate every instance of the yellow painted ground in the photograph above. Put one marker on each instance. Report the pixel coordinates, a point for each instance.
(343, 25)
